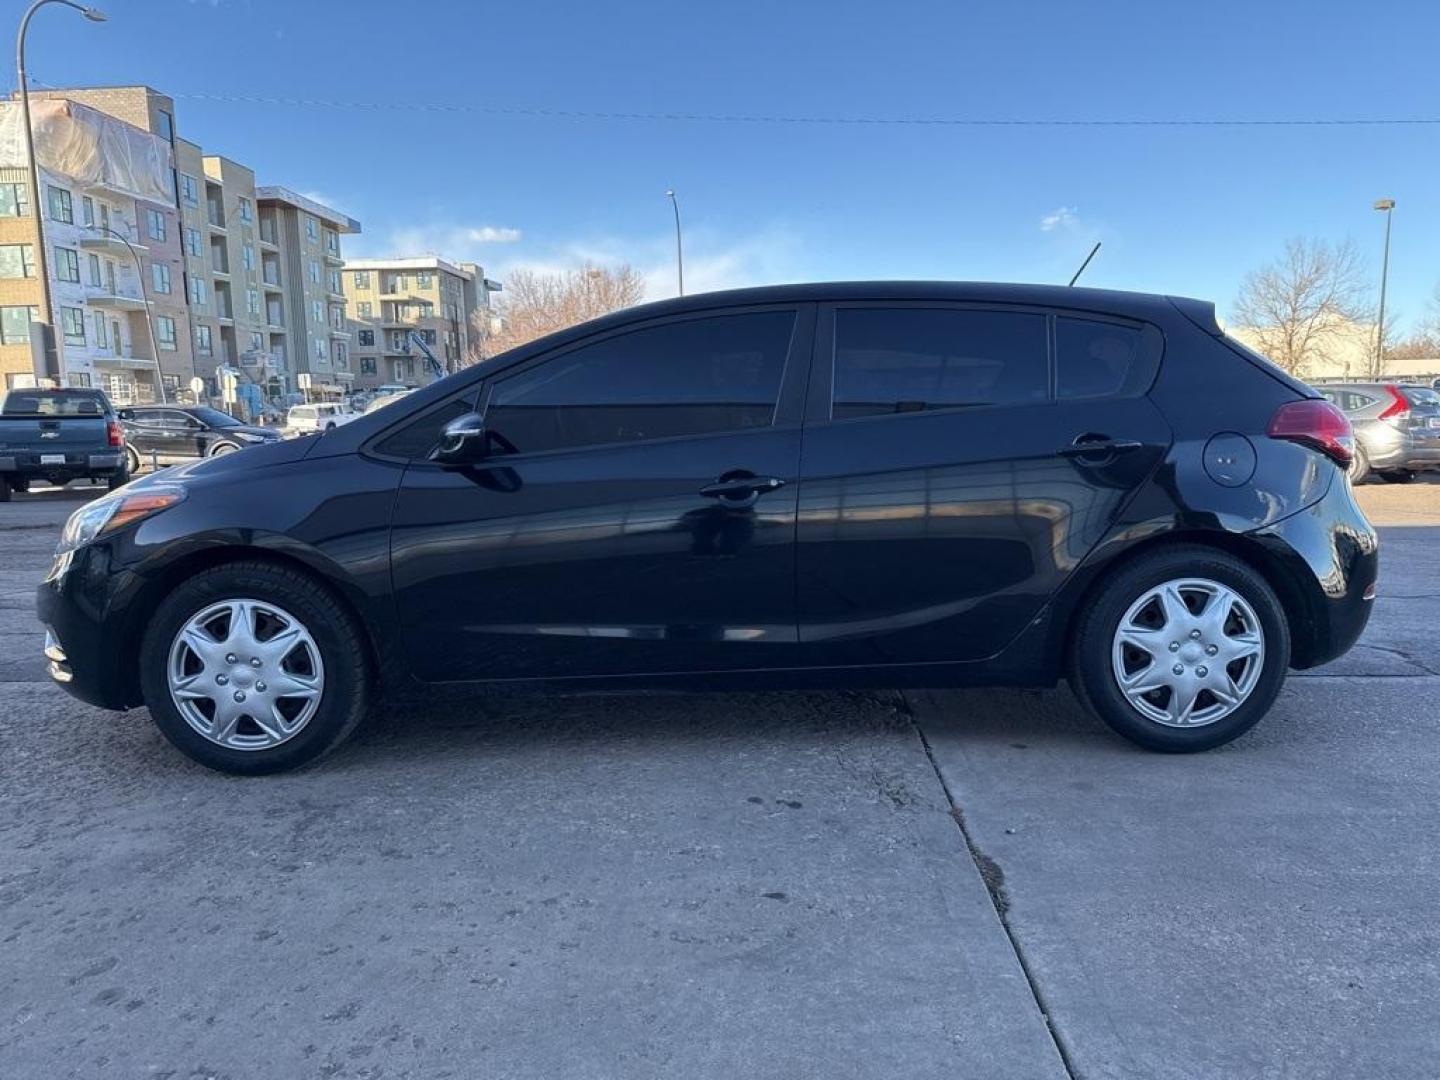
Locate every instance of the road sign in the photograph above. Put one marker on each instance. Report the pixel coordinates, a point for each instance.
(302, 380)
(197, 386)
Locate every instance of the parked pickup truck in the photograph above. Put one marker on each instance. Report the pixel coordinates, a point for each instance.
(59, 436)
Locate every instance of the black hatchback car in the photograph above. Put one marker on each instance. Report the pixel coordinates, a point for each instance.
(823, 485)
(177, 434)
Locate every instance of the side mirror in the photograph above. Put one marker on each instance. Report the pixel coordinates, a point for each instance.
(463, 441)
(126, 414)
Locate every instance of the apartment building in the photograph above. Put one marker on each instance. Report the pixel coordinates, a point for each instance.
(246, 278)
(389, 299)
(112, 244)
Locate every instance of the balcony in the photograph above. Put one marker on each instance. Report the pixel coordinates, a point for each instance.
(270, 285)
(111, 245)
(115, 301)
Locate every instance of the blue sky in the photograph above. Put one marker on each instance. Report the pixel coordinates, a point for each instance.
(1186, 210)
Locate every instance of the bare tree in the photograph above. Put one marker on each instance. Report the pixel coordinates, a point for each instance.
(1424, 341)
(1300, 308)
(534, 304)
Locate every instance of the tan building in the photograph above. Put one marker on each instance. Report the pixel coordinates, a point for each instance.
(389, 299)
(244, 283)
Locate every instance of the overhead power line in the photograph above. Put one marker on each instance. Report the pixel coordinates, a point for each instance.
(779, 118)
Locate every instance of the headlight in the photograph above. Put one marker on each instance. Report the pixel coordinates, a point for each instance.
(113, 511)
(250, 436)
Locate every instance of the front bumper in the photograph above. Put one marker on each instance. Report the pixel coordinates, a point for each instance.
(86, 646)
(1331, 553)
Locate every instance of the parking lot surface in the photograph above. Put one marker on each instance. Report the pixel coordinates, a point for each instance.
(951, 884)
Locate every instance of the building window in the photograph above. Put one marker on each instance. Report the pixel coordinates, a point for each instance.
(247, 256)
(166, 123)
(397, 341)
(317, 311)
(60, 206)
(67, 265)
(17, 260)
(160, 277)
(313, 271)
(199, 292)
(104, 215)
(335, 286)
(367, 365)
(155, 224)
(257, 341)
(14, 200)
(362, 309)
(15, 324)
(92, 263)
(367, 337)
(332, 241)
(342, 355)
(312, 228)
(204, 341)
(102, 334)
(165, 333)
(192, 242)
(322, 349)
(73, 320)
(189, 189)
(252, 301)
(362, 279)
(87, 210)
(246, 212)
(423, 279)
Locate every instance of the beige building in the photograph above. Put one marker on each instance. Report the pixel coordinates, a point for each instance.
(247, 282)
(1339, 349)
(389, 299)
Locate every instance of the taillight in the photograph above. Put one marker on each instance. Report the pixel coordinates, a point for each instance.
(1399, 407)
(116, 433)
(1318, 425)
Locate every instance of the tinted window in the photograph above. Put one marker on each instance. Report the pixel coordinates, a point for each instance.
(1419, 395)
(43, 403)
(894, 360)
(419, 436)
(147, 417)
(1093, 359)
(683, 378)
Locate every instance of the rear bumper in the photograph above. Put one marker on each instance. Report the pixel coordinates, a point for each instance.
(74, 466)
(1418, 452)
(1332, 555)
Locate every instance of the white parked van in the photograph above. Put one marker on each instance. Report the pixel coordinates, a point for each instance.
(321, 416)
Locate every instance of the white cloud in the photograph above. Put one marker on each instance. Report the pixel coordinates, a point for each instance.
(490, 234)
(1062, 218)
(459, 243)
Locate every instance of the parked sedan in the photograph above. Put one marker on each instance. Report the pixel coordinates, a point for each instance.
(1397, 428)
(881, 484)
(176, 434)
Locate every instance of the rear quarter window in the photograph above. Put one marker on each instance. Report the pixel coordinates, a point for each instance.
(1098, 359)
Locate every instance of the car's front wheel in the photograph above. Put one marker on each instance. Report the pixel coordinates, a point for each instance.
(1182, 650)
(254, 668)
(223, 448)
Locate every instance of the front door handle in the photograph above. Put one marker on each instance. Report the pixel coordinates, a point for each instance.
(740, 487)
(1098, 446)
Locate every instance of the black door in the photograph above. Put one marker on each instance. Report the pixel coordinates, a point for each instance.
(636, 516)
(958, 464)
(147, 432)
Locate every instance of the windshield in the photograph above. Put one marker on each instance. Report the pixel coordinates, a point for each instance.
(214, 417)
(52, 403)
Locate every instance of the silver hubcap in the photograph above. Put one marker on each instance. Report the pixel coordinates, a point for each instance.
(246, 674)
(1188, 652)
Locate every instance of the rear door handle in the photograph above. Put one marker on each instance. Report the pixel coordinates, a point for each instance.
(741, 487)
(1091, 447)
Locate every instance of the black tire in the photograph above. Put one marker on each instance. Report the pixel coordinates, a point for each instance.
(132, 460)
(4, 489)
(1091, 673)
(118, 480)
(1359, 466)
(344, 700)
(1397, 476)
(20, 485)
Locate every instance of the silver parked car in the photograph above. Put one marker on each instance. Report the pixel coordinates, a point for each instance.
(1397, 427)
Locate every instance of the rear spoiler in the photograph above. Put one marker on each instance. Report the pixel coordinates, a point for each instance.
(1202, 314)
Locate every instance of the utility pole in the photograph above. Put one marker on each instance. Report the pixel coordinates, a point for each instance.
(679, 249)
(1385, 206)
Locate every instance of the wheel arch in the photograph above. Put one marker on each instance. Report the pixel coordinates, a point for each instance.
(161, 584)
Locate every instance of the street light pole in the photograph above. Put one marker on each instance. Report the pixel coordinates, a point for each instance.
(1385, 206)
(679, 249)
(53, 355)
(145, 299)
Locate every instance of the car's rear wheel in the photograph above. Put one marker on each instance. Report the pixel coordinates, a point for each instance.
(254, 668)
(1182, 650)
(1359, 466)
(132, 460)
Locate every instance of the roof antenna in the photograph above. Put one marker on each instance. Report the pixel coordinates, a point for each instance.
(1085, 263)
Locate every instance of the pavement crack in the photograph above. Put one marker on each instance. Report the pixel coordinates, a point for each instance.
(993, 876)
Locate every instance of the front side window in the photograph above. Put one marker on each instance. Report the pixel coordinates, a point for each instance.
(60, 205)
(17, 260)
(73, 320)
(898, 360)
(684, 378)
(67, 265)
(1093, 359)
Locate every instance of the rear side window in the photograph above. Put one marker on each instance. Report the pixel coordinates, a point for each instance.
(696, 377)
(1419, 395)
(1092, 358)
(42, 403)
(896, 360)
